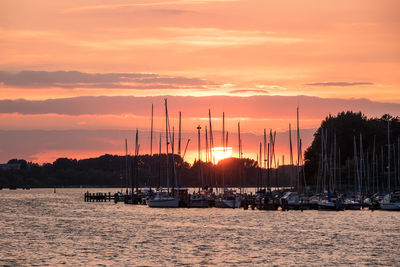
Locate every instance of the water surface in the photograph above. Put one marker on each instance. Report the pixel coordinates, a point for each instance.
(39, 227)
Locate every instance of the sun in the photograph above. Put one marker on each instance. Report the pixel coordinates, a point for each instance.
(219, 153)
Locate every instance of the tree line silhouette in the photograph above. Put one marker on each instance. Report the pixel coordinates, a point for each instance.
(144, 171)
(361, 155)
(361, 150)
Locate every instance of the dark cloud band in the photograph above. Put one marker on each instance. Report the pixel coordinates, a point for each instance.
(76, 79)
(258, 106)
(340, 83)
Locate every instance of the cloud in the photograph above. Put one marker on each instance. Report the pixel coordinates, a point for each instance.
(257, 106)
(148, 4)
(245, 91)
(76, 79)
(217, 37)
(340, 83)
(192, 38)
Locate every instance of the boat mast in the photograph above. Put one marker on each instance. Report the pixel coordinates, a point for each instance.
(356, 173)
(382, 170)
(211, 136)
(339, 173)
(198, 143)
(398, 161)
(259, 169)
(291, 155)
(394, 165)
(179, 134)
(136, 150)
(388, 139)
(374, 190)
(173, 159)
(223, 132)
(240, 161)
(211, 144)
(199, 155)
(223, 147)
(298, 151)
(126, 165)
(159, 164)
(207, 155)
(206, 136)
(361, 165)
(166, 139)
(151, 132)
(269, 168)
(265, 148)
(239, 152)
(334, 161)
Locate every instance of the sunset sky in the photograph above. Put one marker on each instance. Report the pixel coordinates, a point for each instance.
(79, 76)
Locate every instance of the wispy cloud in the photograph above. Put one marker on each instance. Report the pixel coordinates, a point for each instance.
(143, 4)
(75, 79)
(249, 91)
(191, 38)
(340, 83)
(272, 87)
(224, 37)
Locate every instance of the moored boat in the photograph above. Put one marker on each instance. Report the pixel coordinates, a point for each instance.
(391, 201)
(290, 201)
(228, 200)
(330, 201)
(162, 200)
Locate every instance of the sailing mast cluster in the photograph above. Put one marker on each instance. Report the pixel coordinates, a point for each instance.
(215, 192)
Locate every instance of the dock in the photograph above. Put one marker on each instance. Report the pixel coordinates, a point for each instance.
(98, 197)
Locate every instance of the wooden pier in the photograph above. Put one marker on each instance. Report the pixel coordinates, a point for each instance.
(98, 197)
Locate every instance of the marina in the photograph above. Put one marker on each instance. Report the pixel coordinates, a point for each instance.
(199, 133)
(371, 189)
(261, 200)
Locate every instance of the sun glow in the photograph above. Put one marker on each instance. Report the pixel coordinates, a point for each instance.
(220, 153)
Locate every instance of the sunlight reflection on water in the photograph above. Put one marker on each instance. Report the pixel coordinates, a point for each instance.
(39, 227)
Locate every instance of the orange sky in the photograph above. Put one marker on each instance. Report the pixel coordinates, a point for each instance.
(327, 50)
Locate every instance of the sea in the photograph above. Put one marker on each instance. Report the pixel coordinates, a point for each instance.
(41, 228)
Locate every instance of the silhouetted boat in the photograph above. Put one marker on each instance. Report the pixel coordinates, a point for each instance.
(199, 200)
(267, 200)
(330, 201)
(228, 200)
(391, 201)
(290, 201)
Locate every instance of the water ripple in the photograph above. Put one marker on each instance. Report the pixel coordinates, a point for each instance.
(43, 228)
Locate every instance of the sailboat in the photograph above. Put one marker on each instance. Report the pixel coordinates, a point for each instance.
(390, 201)
(201, 198)
(162, 199)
